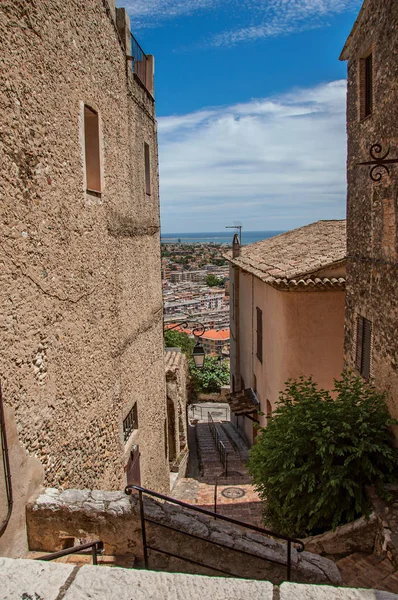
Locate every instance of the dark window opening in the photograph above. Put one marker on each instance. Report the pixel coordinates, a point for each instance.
(259, 334)
(130, 423)
(363, 346)
(92, 150)
(366, 86)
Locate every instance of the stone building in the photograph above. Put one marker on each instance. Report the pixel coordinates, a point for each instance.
(82, 360)
(287, 316)
(176, 391)
(371, 322)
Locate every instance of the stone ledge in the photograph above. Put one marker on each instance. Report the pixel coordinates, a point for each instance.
(35, 580)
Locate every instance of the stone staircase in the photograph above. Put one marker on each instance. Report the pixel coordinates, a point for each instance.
(211, 468)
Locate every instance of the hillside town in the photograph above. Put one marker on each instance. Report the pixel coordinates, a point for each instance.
(195, 283)
(214, 420)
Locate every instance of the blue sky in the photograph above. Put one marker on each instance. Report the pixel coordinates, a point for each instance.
(250, 101)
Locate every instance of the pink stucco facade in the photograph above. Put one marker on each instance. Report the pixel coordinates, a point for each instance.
(303, 334)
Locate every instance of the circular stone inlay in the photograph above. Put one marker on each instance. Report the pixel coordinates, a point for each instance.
(233, 492)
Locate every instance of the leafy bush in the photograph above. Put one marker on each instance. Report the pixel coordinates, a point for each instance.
(313, 460)
(213, 375)
(178, 339)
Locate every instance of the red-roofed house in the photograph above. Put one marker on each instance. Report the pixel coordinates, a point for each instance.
(213, 341)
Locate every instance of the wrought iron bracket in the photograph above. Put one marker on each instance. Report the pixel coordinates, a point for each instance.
(379, 162)
(198, 329)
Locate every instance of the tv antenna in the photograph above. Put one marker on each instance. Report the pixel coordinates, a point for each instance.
(236, 227)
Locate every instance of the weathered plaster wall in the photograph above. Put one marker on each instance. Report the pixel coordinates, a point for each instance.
(372, 281)
(80, 294)
(176, 391)
(30, 475)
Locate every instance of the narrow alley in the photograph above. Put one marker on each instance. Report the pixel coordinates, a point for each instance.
(207, 485)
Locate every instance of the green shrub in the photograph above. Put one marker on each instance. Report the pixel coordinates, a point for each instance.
(179, 339)
(213, 375)
(313, 460)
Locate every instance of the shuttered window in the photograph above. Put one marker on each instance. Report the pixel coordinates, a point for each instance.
(259, 334)
(364, 346)
(368, 85)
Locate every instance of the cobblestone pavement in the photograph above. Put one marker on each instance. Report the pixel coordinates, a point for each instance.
(368, 571)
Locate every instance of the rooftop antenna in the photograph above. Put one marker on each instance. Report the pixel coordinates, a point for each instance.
(236, 226)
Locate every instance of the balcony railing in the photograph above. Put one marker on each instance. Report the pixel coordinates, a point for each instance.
(139, 61)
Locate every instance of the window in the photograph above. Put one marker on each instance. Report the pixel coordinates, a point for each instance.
(147, 169)
(130, 423)
(254, 384)
(259, 334)
(366, 86)
(92, 150)
(363, 346)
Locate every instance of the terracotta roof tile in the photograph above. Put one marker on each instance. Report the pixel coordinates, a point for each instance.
(293, 257)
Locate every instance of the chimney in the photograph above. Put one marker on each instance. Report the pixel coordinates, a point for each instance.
(235, 246)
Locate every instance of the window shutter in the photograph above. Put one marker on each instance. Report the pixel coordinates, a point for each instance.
(358, 355)
(368, 85)
(366, 348)
(259, 334)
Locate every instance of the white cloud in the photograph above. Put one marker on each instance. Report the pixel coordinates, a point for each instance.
(255, 19)
(272, 163)
(281, 17)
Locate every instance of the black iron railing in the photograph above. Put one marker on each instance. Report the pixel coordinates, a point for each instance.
(97, 547)
(288, 564)
(196, 412)
(220, 446)
(6, 466)
(139, 61)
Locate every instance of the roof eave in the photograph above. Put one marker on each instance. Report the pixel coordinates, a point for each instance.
(345, 51)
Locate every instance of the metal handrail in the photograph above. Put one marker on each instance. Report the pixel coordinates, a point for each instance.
(6, 466)
(139, 60)
(97, 547)
(220, 446)
(193, 408)
(129, 489)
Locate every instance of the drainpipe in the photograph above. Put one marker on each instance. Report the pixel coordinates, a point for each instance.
(6, 465)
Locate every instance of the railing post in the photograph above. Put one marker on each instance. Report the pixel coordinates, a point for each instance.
(215, 497)
(94, 553)
(289, 559)
(143, 532)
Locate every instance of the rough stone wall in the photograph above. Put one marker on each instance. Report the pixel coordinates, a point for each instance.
(80, 293)
(372, 276)
(176, 391)
(114, 518)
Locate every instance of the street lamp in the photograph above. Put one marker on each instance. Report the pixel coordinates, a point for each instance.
(198, 352)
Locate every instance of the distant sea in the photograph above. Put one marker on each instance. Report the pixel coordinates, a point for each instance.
(216, 237)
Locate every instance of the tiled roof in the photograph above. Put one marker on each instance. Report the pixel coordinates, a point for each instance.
(174, 360)
(244, 402)
(294, 258)
(212, 334)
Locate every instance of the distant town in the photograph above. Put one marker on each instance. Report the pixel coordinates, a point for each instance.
(195, 283)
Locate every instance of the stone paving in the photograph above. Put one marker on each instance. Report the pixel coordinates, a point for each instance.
(242, 502)
(368, 571)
